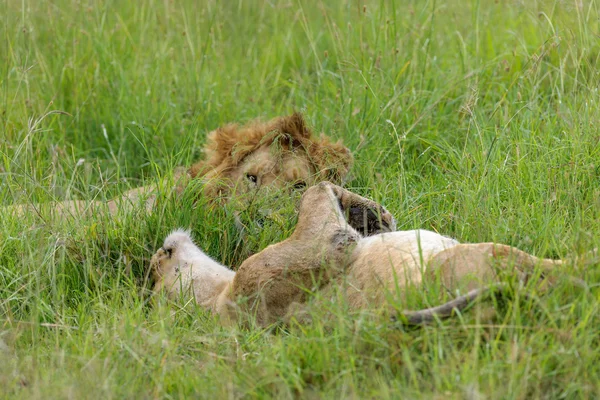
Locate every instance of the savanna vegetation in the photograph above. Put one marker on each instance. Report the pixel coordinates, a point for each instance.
(478, 119)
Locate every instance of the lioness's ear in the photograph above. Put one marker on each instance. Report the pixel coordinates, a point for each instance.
(293, 125)
(332, 160)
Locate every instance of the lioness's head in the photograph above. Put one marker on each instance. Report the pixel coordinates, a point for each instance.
(280, 154)
(180, 257)
(176, 250)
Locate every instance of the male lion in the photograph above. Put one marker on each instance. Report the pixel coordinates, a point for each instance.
(281, 153)
(340, 241)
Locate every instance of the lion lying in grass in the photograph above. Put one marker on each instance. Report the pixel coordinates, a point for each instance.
(341, 240)
(280, 154)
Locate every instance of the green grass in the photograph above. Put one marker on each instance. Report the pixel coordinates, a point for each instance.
(477, 119)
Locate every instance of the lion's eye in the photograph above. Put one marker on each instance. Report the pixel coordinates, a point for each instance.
(251, 178)
(299, 185)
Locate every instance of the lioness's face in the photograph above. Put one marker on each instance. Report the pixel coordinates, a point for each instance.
(274, 168)
(178, 250)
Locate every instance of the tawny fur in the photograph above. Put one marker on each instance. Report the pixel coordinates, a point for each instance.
(278, 154)
(228, 147)
(326, 252)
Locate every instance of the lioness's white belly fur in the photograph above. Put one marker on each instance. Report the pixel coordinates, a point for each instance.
(418, 244)
(394, 259)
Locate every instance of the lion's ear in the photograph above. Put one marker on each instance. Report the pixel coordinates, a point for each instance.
(333, 160)
(293, 125)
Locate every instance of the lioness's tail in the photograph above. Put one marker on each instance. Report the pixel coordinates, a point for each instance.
(456, 263)
(449, 308)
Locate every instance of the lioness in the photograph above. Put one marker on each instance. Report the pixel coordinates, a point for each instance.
(341, 240)
(278, 154)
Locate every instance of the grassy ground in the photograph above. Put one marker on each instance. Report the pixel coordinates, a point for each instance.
(478, 119)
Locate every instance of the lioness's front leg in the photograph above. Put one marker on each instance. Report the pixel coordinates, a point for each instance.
(365, 215)
(332, 205)
(319, 249)
(320, 212)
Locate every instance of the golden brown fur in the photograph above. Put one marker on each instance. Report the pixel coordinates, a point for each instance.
(278, 154)
(326, 252)
(290, 145)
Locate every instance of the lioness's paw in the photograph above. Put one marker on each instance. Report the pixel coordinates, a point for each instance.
(371, 220)
(388, 222)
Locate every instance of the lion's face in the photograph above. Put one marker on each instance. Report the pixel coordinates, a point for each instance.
(273, 168)
(260, 170)
(281, 155)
